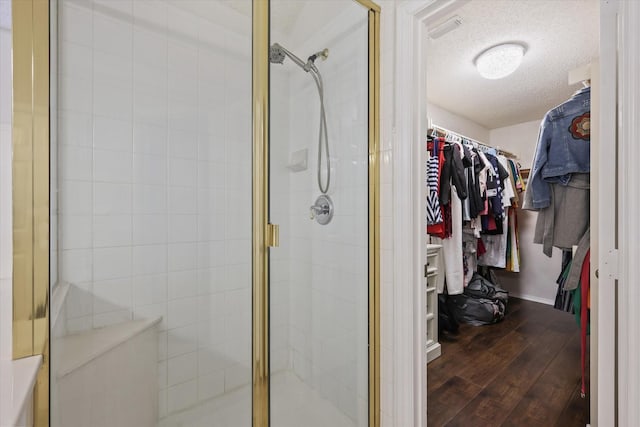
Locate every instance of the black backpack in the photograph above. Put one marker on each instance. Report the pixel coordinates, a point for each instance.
(478, 311)
(479, 287)
(483, 303)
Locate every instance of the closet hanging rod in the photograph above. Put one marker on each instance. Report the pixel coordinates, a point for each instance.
(481, 145)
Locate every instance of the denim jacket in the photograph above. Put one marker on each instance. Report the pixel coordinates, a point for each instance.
(563, 148)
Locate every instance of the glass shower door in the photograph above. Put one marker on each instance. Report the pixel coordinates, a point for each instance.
(319, 276)
(154, 147)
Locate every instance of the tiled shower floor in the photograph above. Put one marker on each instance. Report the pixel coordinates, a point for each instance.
(293, 404)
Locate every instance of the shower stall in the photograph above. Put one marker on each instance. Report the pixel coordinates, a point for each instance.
(214, 227)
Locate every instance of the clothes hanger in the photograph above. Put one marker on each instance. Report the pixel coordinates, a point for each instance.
(447, 137)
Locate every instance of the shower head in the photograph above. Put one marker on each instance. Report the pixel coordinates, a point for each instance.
(276, 54)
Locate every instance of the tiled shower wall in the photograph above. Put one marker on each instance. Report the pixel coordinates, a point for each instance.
(280, 185)
(6, 249)
(155, 184)
(329, 264)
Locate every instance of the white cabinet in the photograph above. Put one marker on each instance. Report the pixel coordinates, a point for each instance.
(434, 274)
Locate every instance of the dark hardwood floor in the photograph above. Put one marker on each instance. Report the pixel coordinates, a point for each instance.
(524, 371)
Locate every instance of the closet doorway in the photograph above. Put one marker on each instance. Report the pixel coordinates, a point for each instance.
(514, 367)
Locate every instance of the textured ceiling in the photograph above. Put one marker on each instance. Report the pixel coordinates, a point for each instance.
(560, 35)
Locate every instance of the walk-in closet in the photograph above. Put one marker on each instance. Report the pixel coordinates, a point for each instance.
(508, 211)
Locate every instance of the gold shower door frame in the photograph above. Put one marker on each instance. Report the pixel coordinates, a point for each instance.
(31, 214)
(30, 193)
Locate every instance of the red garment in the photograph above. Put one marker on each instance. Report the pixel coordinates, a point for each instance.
(440, 230)
(584, 317)
(492, 226)
(481, 250)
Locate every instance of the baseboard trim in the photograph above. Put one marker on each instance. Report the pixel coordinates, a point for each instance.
(532, 298)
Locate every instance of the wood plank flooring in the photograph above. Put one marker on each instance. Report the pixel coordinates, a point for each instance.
(524, 371)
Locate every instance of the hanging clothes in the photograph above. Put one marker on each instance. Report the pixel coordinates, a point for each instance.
(469, 252)
(476, 202)
(513, 243)
(559, 182)
(563, 149)
(467, 163)
(578, 260)
(496, 248)
(452, 249)
(434, 212)
(564, 299)
(508, 189)
(517, 177)
(439, 229)
(565, 221)
(476, 190)
(492, 221)
(558, 189)
(453, 192)
(581, 311)
(452, 174)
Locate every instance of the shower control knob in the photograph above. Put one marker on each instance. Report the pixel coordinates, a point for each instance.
(322, 210)
(319, 210)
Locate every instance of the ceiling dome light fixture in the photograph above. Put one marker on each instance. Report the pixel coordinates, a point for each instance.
(500, 61)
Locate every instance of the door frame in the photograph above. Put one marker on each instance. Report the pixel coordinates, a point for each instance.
(614, 366)
(628, 204)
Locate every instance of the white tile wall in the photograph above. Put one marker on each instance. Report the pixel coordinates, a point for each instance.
(6, 248)
(387, 65)
(182, 396)
(155, 201)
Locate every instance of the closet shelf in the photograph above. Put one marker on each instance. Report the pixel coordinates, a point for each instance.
(434, 282)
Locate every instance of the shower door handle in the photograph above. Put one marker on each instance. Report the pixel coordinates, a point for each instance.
(273, 235)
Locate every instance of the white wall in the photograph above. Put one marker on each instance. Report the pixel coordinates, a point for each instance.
(538, 273)
(520, 139)
(155, 193)
(6, 227)
(456, 123)
(387, 51)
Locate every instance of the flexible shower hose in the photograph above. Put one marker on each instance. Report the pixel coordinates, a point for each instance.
(323, 134)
